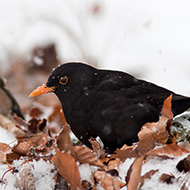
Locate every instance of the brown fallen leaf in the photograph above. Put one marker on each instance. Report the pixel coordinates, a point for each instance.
(167, 178)
(185, 144)
(26, 179)
(167, 107)
(25, 143)
(10, 126)
(124, 153)
(36, 125)
(168, 150)
(113, 167)
(85, 155)
(162, 128)
(146, 140)
(12, 156)
(97, 148)
(107, 181)
(63, 139)
(134, 173)
(86, 185)
(184, 164)
(4, 150)
(147, 175)
(68, 169)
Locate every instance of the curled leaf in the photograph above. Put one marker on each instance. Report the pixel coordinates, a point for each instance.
(107, 182)
(167, 178)
(4, 150)
(63, 139)
(146, 140)
(113, 167)
(85, 156)
(184, 164)
(167, 107)
(168, 150)
(26, 179)
(68, 169)
(97, 147)
(27, 142)
(147, 175)
(10, 126)
(162, 128)
(124, 153)
(134, 173)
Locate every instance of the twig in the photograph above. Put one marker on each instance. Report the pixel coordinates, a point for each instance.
(184, 181)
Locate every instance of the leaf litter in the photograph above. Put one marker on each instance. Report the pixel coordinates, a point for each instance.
(130, 167)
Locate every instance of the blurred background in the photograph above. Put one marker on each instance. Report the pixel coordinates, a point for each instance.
(146, 38)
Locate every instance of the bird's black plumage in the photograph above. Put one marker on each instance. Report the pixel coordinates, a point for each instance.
(110, 104)
(8, 104)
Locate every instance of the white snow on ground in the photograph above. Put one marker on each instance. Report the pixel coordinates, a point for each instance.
(148, 38)
(7, 137)
(43, 172)
(166, 166)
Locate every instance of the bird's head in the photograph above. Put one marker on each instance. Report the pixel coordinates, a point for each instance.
(67, 80)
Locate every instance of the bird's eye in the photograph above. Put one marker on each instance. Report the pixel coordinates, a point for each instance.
(63, 80)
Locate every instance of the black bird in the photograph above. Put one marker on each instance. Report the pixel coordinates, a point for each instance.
(8, 104)
(110, 104)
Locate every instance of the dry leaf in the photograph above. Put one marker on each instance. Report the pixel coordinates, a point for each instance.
(113, 167)
(167, 178)
(184, 164)
(185, 144)
(12, 156)
(36, 125)
(146, 140)
(167, 107)
(163, 126)
(26, 179)
(25, 143)
(86, 185)
(124, 153)
(147, 175)
(85, 156)
(97, 148)
(10, 126)
(134, 173)
(63, 139)
(4, 150)
(168, 150)
(68, 169)
(107, 181)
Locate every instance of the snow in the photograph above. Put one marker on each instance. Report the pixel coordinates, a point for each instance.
(123, 168)
(7, 137)
(85, 172)
(164, 166)
(43, 172)
(149, 39)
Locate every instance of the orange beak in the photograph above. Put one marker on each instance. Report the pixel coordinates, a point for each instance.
(41, 90)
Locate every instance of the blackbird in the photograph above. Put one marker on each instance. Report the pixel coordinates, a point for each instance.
(110, 104)
(8, 104)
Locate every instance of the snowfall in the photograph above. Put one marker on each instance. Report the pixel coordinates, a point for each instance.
(146, 38)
